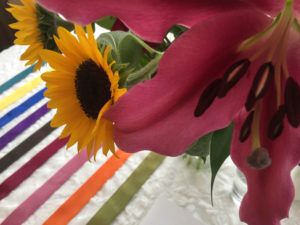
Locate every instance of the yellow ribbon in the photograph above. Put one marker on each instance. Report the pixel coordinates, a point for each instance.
(13, 97)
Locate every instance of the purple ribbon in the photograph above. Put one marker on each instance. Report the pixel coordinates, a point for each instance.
(15, 131)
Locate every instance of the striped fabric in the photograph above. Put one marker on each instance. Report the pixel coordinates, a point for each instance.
(50, 178)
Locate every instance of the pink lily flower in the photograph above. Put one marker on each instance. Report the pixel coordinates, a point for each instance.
(151, 19)
(231, 66)
(239, 66)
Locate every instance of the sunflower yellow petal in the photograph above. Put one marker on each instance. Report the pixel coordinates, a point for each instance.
(65, 133)
(84, 42)
(31, 50)
(90, 148)
(119, 93)
(57, 61)
(57, 121)
(59, 91)
(68, 52)
(71, 43)
(78, 129)
(54, 76)
(102, 111)
(85, 139)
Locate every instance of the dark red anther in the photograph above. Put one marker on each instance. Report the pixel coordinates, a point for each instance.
(207, 97)
(232, 75)
(260, 84)
(292, 102)
(246, 128)
(276, 124)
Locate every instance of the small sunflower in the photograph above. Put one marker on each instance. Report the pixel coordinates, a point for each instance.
(82, 87)
(36, 28)
(28, 33)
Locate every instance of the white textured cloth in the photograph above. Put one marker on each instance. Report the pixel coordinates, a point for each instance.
(181, 184)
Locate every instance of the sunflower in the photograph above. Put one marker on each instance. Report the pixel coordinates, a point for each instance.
(28, 34)
(82, 87)
(36, 27)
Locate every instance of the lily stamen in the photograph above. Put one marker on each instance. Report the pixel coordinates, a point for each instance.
(264, 75)
(275, 127)
(280, 34)
(207, 97)
(232, 75)
(274, 50)
(246, 128)
(260, 85)
(255, 128)
(277, 79)
(291, 100)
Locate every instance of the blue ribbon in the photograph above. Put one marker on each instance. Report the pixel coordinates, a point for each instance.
(22, 108)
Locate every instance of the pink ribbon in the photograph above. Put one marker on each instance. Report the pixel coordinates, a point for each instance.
(33, 202)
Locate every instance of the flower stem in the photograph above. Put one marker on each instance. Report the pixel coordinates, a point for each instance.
(255, 136)
(146, 46)
(252, 40)
(144, 73)
(63, 23)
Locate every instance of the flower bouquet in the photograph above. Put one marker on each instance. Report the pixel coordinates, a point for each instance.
(214, 78)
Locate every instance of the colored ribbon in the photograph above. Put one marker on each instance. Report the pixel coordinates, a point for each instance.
(79, 199)
(118, 201)
(25, 146)
(8, 100)
(27, 169)
(15, 131)
(35, 200)
(16, 79)
(22, 108)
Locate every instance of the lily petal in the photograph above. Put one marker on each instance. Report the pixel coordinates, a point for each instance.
(270, 191)
(150, 19)
(293, 54)
(272, 7)
(159, 114)
(296, 7)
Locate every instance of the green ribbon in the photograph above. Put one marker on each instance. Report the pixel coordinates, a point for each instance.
(118, 201)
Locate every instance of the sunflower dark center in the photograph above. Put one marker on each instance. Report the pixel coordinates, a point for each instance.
(92, 88)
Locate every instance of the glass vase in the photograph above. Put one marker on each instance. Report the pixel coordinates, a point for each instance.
(239, 188)
(296, 180)
(240, 184)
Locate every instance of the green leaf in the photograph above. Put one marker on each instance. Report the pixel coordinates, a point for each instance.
(125, 49)
(220, 150)
(106, 22)
(178, 30)
(201, 147)
(113, 39)
(130, 51)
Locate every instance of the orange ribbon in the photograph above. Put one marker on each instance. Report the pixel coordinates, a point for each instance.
(78, 200)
